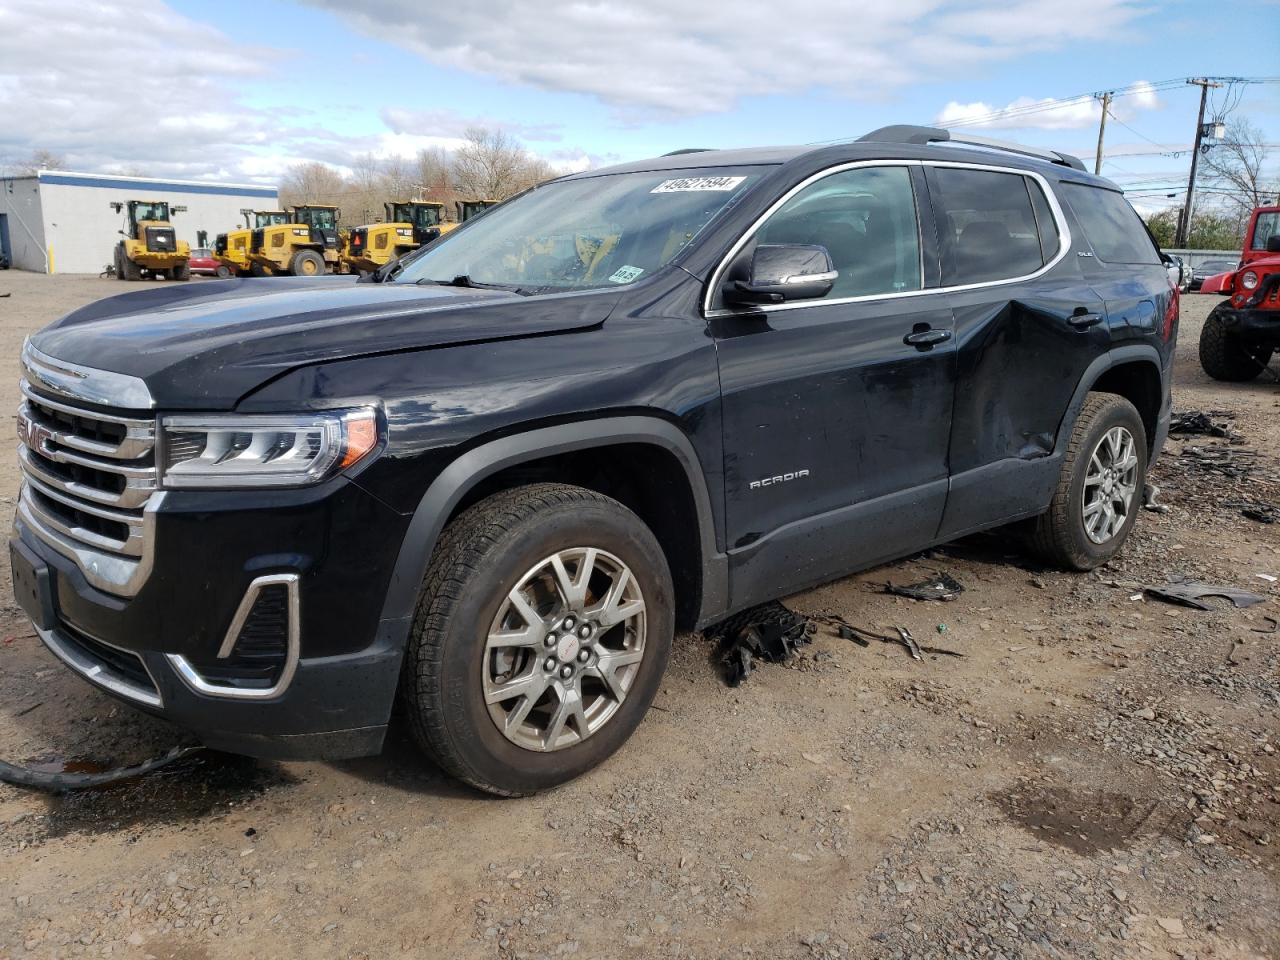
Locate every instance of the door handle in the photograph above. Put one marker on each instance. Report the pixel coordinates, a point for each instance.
(924, 339)
(1083, 321)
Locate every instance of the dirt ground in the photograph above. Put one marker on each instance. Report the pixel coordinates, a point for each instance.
(1096, 777)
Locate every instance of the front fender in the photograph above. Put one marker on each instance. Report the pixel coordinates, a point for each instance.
(1222, 283)
(456, 480)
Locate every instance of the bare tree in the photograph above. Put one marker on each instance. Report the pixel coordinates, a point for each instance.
(41, 160)
(434, 176)
(397, 178)
(312, 183)
(493, 165)
(1236, 166)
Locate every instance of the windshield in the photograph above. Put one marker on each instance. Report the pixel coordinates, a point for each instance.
(420, 215)
(585, 233)
(320, 219)
(151, 211)
(1267, 226)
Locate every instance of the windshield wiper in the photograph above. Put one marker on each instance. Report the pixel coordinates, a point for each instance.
(463, 280)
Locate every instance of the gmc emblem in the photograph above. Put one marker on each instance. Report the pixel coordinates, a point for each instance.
(33, 435)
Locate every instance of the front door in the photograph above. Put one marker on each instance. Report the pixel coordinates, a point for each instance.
(835, 426)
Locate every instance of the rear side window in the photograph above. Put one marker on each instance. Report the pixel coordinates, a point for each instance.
(1110, 225)
(988, 225)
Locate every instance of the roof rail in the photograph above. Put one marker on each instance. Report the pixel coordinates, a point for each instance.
(684, 150)
(904, 133)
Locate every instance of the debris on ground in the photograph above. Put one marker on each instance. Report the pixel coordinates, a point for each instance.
(1223, 461)
(1274, 628)
(1191, 593)
(1200, 423)
(1261, 512)
(769, 632)
(847, 631)
(1149, 493)
(940, 587)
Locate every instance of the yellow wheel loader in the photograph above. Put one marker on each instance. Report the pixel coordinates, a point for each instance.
(467, 210)
(306, 246)
(231, 249)
(409, 224)
(150, 247)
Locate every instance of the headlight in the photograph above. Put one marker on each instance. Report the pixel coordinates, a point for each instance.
(1248, 279)
(263, 451)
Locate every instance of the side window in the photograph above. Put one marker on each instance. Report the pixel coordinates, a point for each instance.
(987, 225)
(866, 218)
(1110, 225)
(1266, 227)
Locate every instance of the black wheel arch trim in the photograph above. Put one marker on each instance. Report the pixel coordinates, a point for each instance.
(1117, 356)
(470, 468)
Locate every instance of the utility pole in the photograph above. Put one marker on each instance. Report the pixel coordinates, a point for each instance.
(1102, 129)
(1184, 226)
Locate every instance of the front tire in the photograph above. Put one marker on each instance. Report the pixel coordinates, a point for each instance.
(306, 263)
(222, 272)
(1099, 492)
(1225, 356)
(540, 639)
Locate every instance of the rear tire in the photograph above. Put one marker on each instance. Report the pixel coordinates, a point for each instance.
(258, 270)
(306, 263)
(461, 657)
(119, 264)
(222, 272)
(1090, 517)
(1225, 356)
(180, 272)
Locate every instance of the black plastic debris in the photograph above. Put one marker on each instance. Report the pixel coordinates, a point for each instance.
(1191, 593)
(769, 632)
(847, 631)
(1262, 512)
(1201, 424)
(939, 587)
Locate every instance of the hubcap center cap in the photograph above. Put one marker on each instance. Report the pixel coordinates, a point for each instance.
(567, 648)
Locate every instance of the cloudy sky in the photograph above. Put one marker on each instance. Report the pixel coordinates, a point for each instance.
(238, 90)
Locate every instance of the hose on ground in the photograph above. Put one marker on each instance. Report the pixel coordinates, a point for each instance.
(62, 782)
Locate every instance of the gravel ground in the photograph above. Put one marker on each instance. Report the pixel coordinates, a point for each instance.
(1096, 777)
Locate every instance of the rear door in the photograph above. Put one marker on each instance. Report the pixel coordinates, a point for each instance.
(1124, 266)
(1027, 327)
(835, 427)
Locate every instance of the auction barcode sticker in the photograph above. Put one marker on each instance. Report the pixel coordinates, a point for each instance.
(688, 184)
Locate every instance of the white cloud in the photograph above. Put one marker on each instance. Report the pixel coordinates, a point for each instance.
(133, 86)
(676, 57)
(1029, 113)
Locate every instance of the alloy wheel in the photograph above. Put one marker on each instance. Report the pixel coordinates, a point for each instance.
(564, 649)
(1110, 485)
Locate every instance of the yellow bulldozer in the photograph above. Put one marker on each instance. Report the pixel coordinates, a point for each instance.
(306, 245)
(467, 210)
(150, 246)
(231, 249)
(408, 225)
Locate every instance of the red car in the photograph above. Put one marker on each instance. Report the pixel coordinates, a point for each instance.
(203, 262)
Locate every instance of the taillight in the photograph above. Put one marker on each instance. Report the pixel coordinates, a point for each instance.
(1171, 311)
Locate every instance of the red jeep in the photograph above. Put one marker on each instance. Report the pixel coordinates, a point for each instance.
(1240, 335)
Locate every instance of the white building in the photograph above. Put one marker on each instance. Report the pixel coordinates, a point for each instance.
(60, 222)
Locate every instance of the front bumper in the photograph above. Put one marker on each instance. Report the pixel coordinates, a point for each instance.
(335, 546)
(1260, 325)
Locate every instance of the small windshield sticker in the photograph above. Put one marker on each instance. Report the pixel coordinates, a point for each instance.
(626, 274)
(688, 184)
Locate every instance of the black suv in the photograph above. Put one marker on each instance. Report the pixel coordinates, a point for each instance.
(490, 481)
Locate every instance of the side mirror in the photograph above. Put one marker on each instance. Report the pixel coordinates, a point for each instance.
(781, 272)
(1273, 243)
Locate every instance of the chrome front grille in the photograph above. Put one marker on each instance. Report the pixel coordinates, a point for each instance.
(89, 479)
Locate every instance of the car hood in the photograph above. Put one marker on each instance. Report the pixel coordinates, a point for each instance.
(205, 346)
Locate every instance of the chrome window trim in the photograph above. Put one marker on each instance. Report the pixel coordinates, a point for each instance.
(99, 673)
(192, 678)
(88, 384)
(1064, 240)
